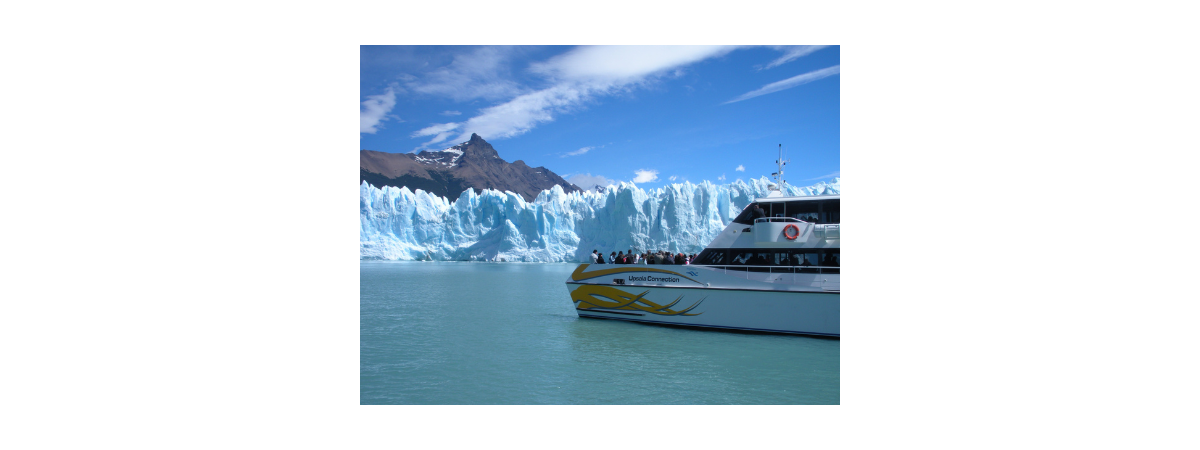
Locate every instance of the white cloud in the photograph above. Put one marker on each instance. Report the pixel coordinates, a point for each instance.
(789, 83)
(721, 178)
(588, 181)
(740, 168)
(624, 64)
(451, 113)
(482, 73)
(792, 52)
(375, 110)
(645, 176)
(439, 131)
(673, 177)
(523, 113)
(579, 76)
(822, 177)
(578, 152)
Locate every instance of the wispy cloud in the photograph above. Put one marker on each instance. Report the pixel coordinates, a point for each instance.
(792, 52)
(480, 74)
(451, 113)
(672, 177)
(439, 131)
(576, 77)
(721, 178)
(578, 152)
(789, 83)
(740, 168)
(375, 110)
(588, 181)
(822, 177)
(624, 64)
(645, 176)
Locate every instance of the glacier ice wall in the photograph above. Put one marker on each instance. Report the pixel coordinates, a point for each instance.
(556, 227)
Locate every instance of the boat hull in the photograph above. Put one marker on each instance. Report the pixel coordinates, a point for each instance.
(700, 297)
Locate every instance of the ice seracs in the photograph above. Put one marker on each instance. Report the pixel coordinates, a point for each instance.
(400, 224)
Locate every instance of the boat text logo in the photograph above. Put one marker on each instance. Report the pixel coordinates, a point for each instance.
(652, 278)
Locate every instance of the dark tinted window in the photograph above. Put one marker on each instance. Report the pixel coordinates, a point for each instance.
(803, 260)
(831, 212)
(747, 215)
(711, 257)
(806, 210)
(777, 209)
(808, 259)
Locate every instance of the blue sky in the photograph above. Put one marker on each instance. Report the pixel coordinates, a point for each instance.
(649, 114)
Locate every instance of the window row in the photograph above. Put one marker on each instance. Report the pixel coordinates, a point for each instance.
(814, 211)
(804, 258)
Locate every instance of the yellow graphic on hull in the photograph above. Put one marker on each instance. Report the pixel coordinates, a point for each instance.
(578, 274)
(591, 296)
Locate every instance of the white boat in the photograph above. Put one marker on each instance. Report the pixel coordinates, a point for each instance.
(774, 268)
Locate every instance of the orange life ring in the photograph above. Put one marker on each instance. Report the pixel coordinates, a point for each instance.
(794, 228)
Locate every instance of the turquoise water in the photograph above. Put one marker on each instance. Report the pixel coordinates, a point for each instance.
(507, 333)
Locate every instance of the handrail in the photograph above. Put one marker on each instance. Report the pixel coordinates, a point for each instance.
(779, 219)
(770, 267)
(744, 272)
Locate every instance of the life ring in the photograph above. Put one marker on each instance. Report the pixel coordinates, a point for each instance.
(794, 228)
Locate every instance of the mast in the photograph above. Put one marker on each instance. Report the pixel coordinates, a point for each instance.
(779, 175)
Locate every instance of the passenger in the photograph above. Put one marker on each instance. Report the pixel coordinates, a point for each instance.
(612, 256)
(620, 258)
(595, 257)
(649, 258)
(758, 212)
(599, 258)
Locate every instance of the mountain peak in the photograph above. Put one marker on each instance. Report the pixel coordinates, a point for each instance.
(474, 163)
(478, 146)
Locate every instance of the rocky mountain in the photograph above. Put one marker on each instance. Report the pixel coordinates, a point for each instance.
(449, 172)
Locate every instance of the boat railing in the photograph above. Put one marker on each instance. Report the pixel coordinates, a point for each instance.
(779, 219)
(793, 275)
(777, 269)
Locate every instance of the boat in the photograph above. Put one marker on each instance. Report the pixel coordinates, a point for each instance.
(775, 268)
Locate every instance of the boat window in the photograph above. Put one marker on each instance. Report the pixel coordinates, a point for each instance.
(831, 258)
(777, 209)
(781, 259)
(803, 210)
(711, 257)
(808, 259)
(747, 215)
(831, 212)
(740, 257)
(749, 257)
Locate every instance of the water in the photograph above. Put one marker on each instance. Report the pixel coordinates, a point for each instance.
(507, 333)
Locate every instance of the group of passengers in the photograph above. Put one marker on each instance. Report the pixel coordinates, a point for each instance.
(659, 257)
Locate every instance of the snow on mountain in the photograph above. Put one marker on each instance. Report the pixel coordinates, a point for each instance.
(556, 227)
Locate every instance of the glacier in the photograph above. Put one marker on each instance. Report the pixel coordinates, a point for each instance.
(399, 224)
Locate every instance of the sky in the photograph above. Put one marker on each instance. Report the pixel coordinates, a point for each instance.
(651, 115)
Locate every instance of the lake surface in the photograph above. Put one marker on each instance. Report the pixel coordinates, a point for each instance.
(506, 333)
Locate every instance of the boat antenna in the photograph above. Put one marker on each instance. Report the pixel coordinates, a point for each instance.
(780, 162)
